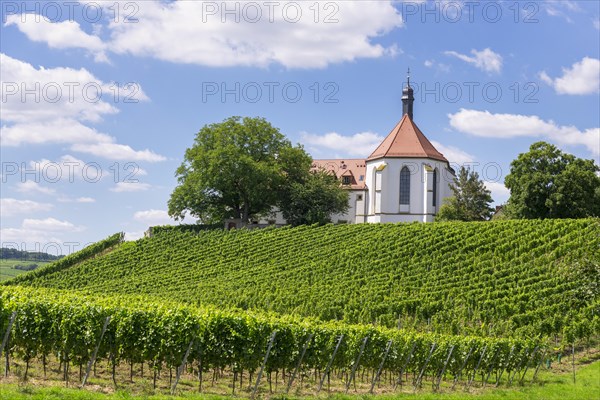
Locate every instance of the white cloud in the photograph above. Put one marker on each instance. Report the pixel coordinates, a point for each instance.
(500, 193)
(115, 151)
(41, 235)
(486, 60)
(34, 187)
(453, 154)
(65, 199)
(596, 23)
(121, 187)
(129, 236)
(360, 144)
(59, 110)
(65, 169)
(58, 35)
(486, 124)
(206, 35)
(153, 217)
(10, 207)
(64, 93)
(560, 8)
(49, 225)
(582, 78)
(33, 240)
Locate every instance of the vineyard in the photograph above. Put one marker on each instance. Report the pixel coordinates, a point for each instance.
(511, 278)
(378, 305)
(168, 335)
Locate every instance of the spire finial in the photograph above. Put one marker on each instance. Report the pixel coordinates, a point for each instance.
(407, 97)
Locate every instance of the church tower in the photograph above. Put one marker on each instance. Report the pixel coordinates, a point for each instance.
(406, 176)
(408, 98)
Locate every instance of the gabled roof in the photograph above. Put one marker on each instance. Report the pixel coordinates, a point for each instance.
(406, 140)
(356, 169)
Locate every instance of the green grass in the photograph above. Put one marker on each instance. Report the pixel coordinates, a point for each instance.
(7, 267)
(552, 386)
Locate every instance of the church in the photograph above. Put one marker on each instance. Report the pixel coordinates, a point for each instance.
(404, 180)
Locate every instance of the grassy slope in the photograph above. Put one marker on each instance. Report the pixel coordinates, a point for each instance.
(511, 273)
(8, 271)
(553, 386)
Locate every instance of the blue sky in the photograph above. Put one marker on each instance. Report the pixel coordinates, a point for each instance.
(100, 100)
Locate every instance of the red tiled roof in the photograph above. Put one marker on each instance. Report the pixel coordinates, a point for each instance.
(406, 140)
(355, 168)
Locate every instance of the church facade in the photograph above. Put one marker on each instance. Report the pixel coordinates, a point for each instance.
(404, 180)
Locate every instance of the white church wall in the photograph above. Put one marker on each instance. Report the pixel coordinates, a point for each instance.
(386, 206)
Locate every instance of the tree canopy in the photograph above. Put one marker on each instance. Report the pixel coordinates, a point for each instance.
(470, 200)
(547, 183)
(243, 167)
(313, 199)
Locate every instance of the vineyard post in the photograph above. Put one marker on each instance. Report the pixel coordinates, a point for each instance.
(262, 367)
(437, 386)
(527, 364)
(387, 350)
(93, 359)
(464, 364)
(181, 367)
(399, 382)
(362, 348)
(512, 349)
(476, 367)
(420, 377)
(5, 339)
(7, 333)
(337, 346)
(573, 362)
(491, 367)
(539, 365)
(304, 348)
(518, 368)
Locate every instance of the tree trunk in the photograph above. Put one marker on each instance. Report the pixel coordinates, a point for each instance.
(246, 212)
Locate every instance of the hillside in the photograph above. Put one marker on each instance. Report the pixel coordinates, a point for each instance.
(532, 278)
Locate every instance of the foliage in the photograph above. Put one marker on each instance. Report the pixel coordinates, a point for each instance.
(547, 183)
(505, 278)
(72, 259)
(142, 330)
(184, 228)
(234, 169)
(9, 253)
(470, 200)
(28, 267)
(313, 199)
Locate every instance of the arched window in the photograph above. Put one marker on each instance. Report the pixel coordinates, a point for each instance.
(435, 181)
(404, 186)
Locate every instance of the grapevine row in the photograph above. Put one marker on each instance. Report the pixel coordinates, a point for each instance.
(69, 325)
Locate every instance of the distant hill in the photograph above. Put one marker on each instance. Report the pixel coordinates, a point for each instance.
(505, 278)
(8, 253)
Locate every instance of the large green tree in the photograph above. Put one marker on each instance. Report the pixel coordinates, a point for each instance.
(235, 169)
(313, 199)
(243, 168)
(470, 200)
(547, 183)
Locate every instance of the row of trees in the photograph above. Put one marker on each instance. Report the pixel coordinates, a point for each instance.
(244, 168)
(543, 182)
